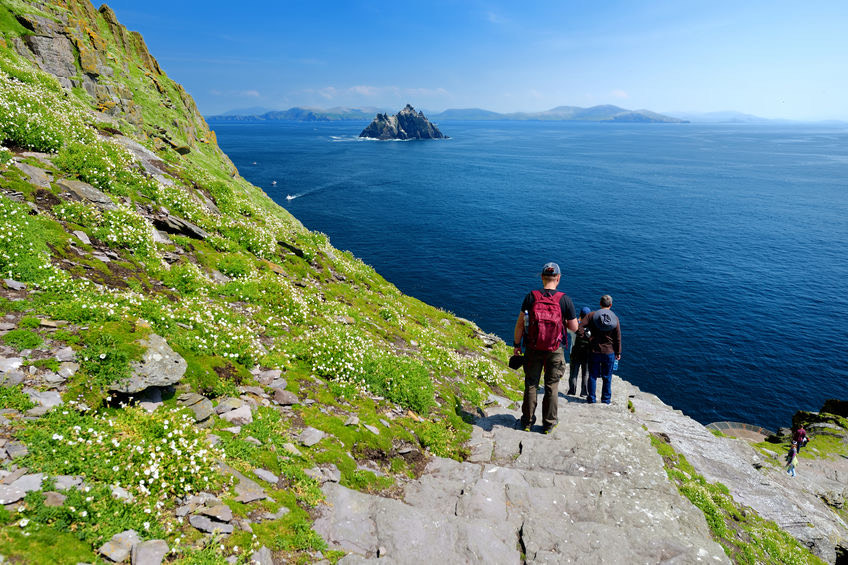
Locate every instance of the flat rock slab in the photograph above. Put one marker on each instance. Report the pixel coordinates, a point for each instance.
(240, 416)
(82, 236)
(17, 489)
(200, 406)
(262, 556)
(119, 548)
(8, 364)
(594, 491)
(220, 512)
(16, 449)
(12, 378)
(285, 397)
(151, 552)
(228, 405)
(310, 436)
(15, 285)
(208, 525)
(67, 482)
(85, 191)
(47, 398)
(38, 177)
(246, 489)
(266, 476)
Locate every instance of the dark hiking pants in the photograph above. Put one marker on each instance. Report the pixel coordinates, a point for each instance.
(553, 363)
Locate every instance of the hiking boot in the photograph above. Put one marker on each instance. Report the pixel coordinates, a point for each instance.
(526, 427)
(549, 429)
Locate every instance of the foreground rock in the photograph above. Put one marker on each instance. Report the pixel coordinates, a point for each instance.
(594, 491)
(406, 124)
(160, 366)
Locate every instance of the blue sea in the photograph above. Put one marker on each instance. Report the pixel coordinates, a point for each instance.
(725, 247)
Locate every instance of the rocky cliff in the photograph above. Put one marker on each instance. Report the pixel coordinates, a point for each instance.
(187, 374)
(90, 50)
(406, 124)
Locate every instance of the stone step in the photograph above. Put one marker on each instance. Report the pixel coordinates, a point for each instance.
(594, 491)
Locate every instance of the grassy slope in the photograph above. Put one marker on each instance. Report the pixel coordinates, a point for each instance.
(341, 334)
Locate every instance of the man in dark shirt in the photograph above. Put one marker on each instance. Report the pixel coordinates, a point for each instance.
(548, 355)
(604, 348)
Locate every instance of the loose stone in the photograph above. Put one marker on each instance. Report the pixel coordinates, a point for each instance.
(119, 547)
(310, 436)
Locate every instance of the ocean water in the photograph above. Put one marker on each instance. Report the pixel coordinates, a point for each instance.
(725, 247)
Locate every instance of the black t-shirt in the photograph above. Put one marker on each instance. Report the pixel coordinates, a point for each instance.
(565, 304)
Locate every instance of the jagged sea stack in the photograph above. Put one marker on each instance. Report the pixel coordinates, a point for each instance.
(406, 124)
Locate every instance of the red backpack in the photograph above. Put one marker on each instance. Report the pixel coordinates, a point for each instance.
(545, 327)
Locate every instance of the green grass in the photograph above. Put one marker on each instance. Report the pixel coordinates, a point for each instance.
(22, 339)
(9, 24)
(43, 546)
(13, 397)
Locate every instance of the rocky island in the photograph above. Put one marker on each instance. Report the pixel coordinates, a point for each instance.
(189, 375)
(406, 124)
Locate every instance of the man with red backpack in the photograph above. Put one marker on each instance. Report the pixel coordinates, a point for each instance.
(545, 314)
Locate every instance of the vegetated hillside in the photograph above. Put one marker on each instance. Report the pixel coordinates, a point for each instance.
(137, 265)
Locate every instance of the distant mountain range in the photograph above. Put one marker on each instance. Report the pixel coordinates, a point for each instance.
(605, 113)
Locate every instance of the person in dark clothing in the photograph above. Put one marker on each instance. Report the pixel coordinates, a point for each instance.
(545, 315)
(800, 437)
(604, 348)
(580, 358)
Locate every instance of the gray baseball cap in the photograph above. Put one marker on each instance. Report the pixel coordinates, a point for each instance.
(550, 269)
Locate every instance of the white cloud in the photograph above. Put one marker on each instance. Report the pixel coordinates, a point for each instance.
(618, 93)
(494, 18)
(426, 92)
(328, 92)
(236, 93)
(364, 90)
(377, 92)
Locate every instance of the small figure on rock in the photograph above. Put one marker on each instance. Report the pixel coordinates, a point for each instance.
(544, 316)
(792, 459)
(604, 348)
(580, 358)
(800, 437)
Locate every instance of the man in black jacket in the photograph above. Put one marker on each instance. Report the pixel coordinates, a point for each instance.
(604, 348)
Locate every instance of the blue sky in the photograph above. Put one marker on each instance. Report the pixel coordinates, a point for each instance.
(775, 59)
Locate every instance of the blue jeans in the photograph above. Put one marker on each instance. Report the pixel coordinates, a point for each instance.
(600, 366)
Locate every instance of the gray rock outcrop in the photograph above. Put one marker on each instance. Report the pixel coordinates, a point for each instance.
(160, 366)
(84, 191)
(406, 124)
(797, 506)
